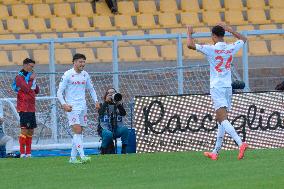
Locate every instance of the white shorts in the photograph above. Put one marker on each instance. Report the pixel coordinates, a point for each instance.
(77, 117)
(221, 97)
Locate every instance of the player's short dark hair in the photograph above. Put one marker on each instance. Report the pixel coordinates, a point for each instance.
(28, 60)
(78, 56)
(218, 31)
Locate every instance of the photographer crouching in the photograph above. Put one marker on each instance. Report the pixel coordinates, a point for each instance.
(111, 126)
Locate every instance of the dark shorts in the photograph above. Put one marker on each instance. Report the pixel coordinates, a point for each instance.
(27, 120)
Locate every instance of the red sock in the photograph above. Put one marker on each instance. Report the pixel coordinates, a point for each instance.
(22, 142)
(29, 144)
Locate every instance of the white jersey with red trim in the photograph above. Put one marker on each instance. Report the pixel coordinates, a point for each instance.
(74, 85)
(220, 57)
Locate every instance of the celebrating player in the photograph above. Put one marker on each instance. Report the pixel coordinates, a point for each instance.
(220, 56)
(74, 83)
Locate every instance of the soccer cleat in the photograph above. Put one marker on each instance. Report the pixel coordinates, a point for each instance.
(243, 148)
(85, 159)
(211, 155)
(23, 156)
(74, 161)
(28, 155)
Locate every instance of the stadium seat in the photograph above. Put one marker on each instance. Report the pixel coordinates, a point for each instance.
(59, 24)
(126, 8)
(104, 54)
(159, 41)
(276, 3)
(203, 39)
(211, 5)
(10, 2)
(63, 56)
(149, 53)
(179, 30)
(54, 1)
(2, 29)
(269, 36)
(124, 22)
(190, 19)
(19, 55)
(169, 52)
(37, 25)
(235, 17)
(147, 7)
(168, 20)
(4, 59)
(276, 15)
(234, 5)
(41, 56)
(168, 6)
(137, 33)
(50, 36)
(146, 21)
(84, 9)
(115, 33)
(256, 16)
(16, 26)
(191, 54)
(277, 47)
(88, 52)
(42, 11)
(102, 9)
(127, 54)
(81, 24)
(255, 4)
(258, 48)
(29, 46)
(33, 1)
(247, 28)
(72, 45)
(20, 11)
(211, 17)
(190, 6)
(62, 10)
(4, 14)
(11, 46)
(96, 43)
(102, 23)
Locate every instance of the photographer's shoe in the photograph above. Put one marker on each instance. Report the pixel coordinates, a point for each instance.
(85, 159)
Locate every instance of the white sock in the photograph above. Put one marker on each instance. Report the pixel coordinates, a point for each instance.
(219, 139)
(73, 150)
(79, 144)
(232, 132)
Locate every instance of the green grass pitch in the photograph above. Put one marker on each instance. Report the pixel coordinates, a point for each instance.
(259, 169)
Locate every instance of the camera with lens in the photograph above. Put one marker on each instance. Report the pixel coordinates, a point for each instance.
(238, 84)
(116, 97)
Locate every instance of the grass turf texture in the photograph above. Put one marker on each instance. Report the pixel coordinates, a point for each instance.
(259, 169)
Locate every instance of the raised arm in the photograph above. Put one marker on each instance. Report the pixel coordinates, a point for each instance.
(190, 41)
(234, 33)
(92, 91)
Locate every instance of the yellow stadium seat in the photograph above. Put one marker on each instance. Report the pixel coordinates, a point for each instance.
(137, 33)
(81, 24)
(147, 7)
(179, 30)
(16, 26)
(102, 23)
(149, 53)
(72, 45)
(29, 46)
(169, 52)
(2, 29)
(63, 10)
(102, 9)
(211, 17)
(9, 47)
(37, 25)
(127, 54)
(191, 54)
(276, 3)
(19, 55)
(54, 1)
(211, 5)
(4, 59)
(20, 11)
(84, 9)
(269, 36)
(146, 21)
(124, 22)
(234, 5)
(88, 52)
(41, 56)
(32, 1)
(190, 19)
(255, 4)
(115, 33)
(168, 20)
(59, 24)
(42, 11)
(104, 54)
(258, 48)
(190, 6)
(9, 2)
(63, 56)
(277, 47)
(203, 39)
(126, 7)
(257, 16)
(50, 36)
(277, 15)
(96, 43)
(168, 6)
(4, 12)
(235, 17)
(159, 41)
(247, 28)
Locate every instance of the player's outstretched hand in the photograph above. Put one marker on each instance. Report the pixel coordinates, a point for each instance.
(67, 108)
(98, 106)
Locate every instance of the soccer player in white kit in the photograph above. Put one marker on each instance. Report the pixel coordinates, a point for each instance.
(220, 56)
(74, 83)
